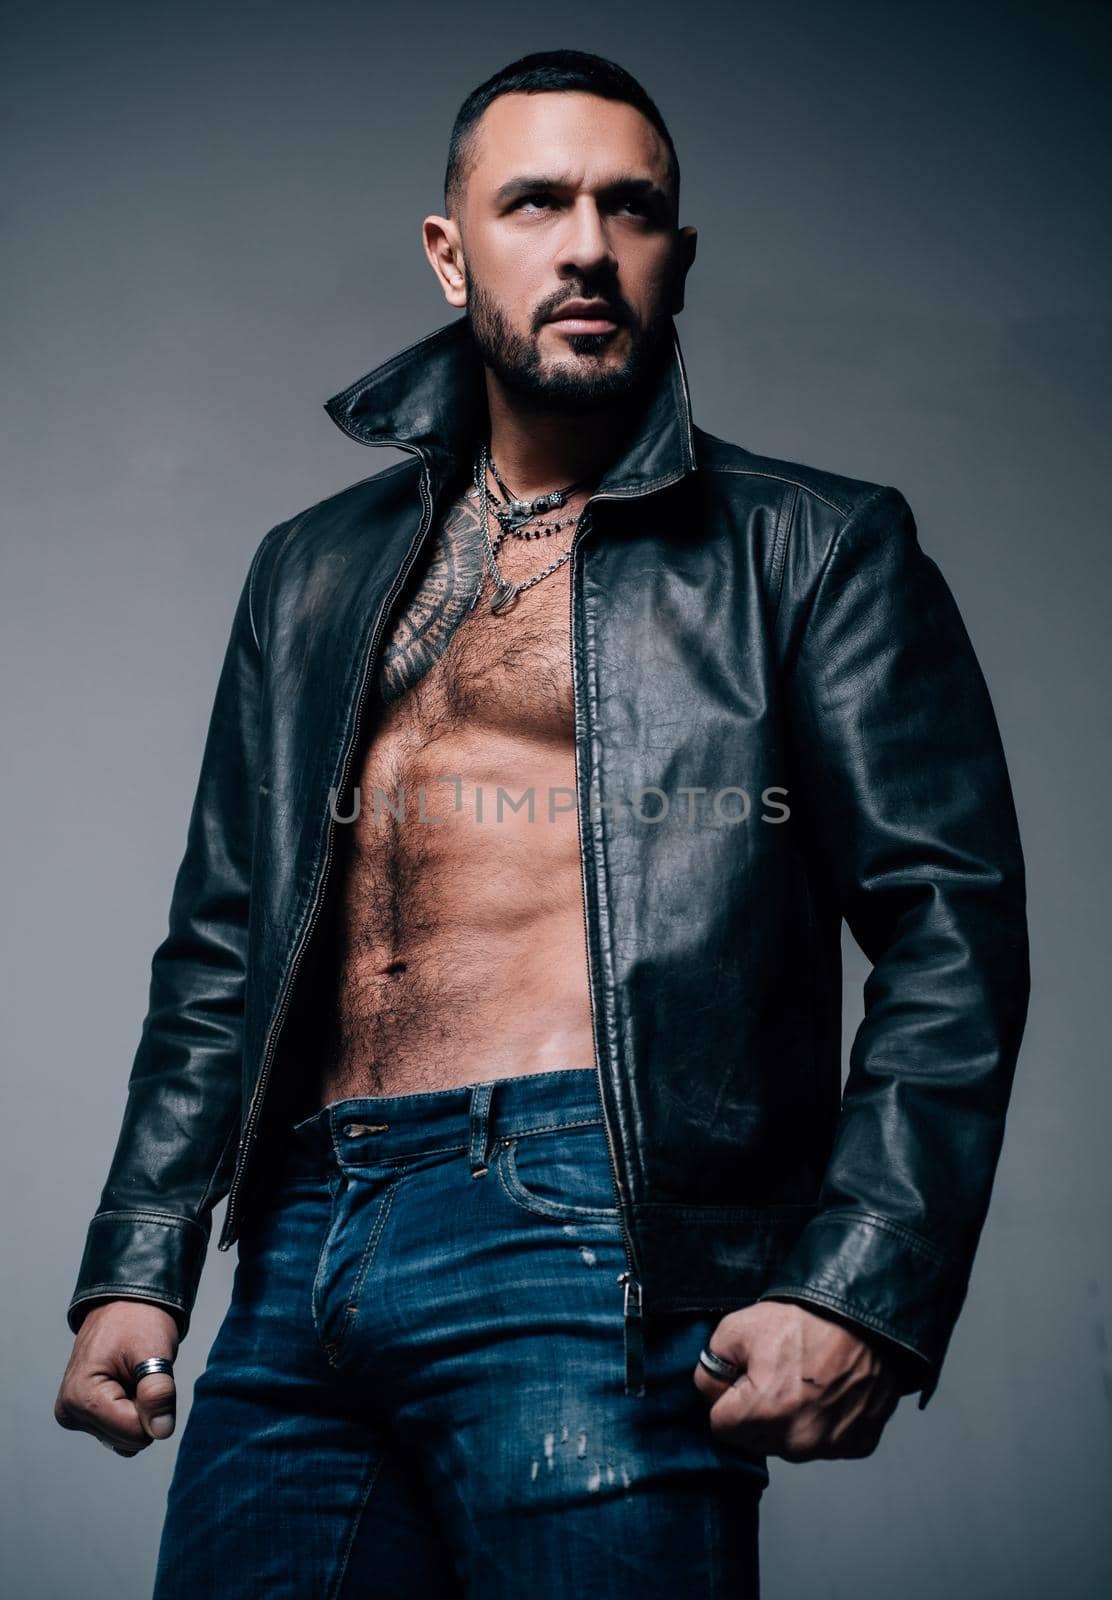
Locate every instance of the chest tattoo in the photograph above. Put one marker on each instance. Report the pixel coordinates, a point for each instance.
(430, 614)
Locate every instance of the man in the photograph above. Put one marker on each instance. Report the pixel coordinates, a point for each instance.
(501, 991)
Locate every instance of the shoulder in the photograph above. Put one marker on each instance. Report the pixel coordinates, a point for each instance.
(391, 486)
(295, 552)
(339, 513)
(811, 519)
(737, 473)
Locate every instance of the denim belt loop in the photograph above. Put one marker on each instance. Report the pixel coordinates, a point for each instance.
(481, 1095)
(335, 1147)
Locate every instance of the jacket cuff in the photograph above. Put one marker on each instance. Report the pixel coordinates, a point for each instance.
(875, 1272)
(140, 1255)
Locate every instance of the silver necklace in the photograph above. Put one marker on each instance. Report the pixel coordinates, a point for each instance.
(505, 593)
(513, 511)
(532, 530)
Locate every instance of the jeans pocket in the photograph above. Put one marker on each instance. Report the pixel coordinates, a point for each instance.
(563, 1173)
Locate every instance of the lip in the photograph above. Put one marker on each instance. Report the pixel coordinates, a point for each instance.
(584, 324)
(584, 316)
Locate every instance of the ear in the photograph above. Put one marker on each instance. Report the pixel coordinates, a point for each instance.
(445, 252)
(686, 241)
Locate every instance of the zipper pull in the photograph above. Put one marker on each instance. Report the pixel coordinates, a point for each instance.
(633, 1327)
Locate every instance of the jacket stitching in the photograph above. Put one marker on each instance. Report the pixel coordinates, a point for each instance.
(830, 554)
(97, 1289)
(162, 1217)
(684, 407)
(786, 522)
(776, 477)
(256, 562)
(232, 1131)
(291, 528)
(636, 489)
(251, 589)
(885, 1224)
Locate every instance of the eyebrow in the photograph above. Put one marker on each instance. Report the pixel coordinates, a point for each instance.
(623, 184)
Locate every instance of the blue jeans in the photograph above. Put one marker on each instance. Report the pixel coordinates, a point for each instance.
(420, 1386)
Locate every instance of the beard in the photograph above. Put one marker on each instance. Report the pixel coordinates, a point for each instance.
(562, 387)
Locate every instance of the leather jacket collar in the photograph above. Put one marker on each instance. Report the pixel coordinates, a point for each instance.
(426, 399)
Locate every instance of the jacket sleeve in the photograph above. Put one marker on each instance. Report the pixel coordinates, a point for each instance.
(148, 1237)
(908, 809)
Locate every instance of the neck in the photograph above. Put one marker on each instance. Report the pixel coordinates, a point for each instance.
(538, 450)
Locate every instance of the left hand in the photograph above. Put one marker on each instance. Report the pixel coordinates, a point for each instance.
(809, 1389)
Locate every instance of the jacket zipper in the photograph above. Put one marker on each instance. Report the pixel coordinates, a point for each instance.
(632, 1329)
(227, 1237)
(632, 1313)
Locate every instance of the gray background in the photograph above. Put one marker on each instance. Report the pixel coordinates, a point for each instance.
(211, 219)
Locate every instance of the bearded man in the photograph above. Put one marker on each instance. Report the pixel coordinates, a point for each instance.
(501, 994)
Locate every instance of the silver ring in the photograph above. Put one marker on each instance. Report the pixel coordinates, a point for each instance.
(717, 1367)
(143, 1369)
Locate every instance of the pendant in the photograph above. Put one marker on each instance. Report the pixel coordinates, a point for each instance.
(519, 511)
(504, 597)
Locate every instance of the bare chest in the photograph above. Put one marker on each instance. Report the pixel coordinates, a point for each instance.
(453, 669)
(447, 899)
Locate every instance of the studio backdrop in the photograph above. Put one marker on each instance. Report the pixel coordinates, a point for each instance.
(211, 222)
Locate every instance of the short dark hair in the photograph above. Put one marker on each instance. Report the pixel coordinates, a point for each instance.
(545, 72)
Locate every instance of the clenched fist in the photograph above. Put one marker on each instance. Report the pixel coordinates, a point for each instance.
(809, 1389)
(97, 1394)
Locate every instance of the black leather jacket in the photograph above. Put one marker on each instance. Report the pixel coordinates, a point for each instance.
(738, 624)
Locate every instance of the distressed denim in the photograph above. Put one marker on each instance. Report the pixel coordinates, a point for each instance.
(420, 1386)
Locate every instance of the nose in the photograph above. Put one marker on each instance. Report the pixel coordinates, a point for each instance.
(584, 246)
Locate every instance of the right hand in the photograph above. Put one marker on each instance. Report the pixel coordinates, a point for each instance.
(97, 1394)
